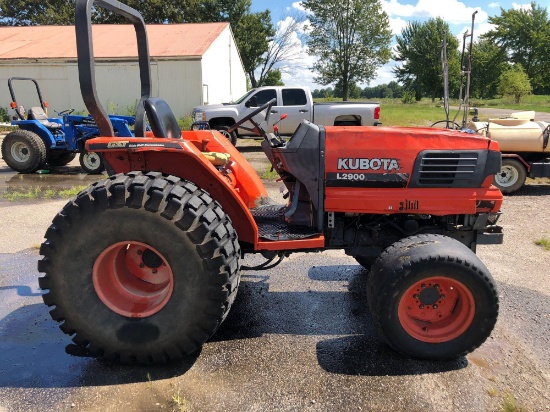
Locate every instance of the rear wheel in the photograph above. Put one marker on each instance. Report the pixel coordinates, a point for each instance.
(224, 130)
(140, 268)
(511, 176)
(432, 298)
(91, 162)
(24, 151)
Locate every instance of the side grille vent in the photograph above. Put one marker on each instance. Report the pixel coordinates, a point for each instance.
(445, 168)
(454, 168)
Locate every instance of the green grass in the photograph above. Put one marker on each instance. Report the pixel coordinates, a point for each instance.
(180, 402)
(544, 243)
(269, 174)
(37, 192)
(509, 404)
(425, 112)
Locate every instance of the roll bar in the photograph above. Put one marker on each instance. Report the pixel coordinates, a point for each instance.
(86, 62)
(12, 93)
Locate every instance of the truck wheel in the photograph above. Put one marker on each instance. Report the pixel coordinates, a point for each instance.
(140, 268)
(511, 177)
(91, 162)
(60, 159)
(24, 151)
(432, 298)
(231, 136)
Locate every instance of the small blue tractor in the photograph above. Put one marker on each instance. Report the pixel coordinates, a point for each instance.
(40, 140)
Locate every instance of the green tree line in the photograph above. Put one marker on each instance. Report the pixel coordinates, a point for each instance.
(511, 59)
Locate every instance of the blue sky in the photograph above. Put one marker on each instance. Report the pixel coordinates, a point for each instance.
(456, 12)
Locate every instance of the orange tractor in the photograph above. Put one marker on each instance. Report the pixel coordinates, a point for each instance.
(160, 242)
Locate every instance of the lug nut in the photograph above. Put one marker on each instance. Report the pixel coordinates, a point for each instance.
(423, 286)
(141, 265)
(415, 296)
(421, 306)
(435, 306)
(155, 271)
(441, 296)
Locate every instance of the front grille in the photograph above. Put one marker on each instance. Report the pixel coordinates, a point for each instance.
(446, 168)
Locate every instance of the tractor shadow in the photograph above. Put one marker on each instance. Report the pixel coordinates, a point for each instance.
(533, 189)
(356, 348)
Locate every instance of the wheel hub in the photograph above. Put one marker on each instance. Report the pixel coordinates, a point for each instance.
(133, 279)
(436, 309)
(20, 152)
(429, 296)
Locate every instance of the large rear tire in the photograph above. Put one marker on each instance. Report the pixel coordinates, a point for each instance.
(140, 268)
(432, 298)
(511, 176)
(24, 151)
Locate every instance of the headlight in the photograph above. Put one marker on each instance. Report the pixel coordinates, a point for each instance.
(199, 116)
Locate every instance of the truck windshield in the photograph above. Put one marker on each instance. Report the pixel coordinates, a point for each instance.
(243, 98)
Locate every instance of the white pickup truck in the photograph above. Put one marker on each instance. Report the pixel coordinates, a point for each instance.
(295, 102)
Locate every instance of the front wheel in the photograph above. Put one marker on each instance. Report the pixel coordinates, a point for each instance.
(91, 162)
(24, 151)
(224, 130)
(141, 268)
(432, 298)
(511, 177)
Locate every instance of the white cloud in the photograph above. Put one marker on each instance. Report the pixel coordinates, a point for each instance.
(453, 11)
(397, 25)
(298, 6)
(517, 6)
(493, 5)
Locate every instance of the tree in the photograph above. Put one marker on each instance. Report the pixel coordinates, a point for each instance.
(354, 91)
(273, 78)
(351, 39)
(489, 62)
(525, 35)
(515, 82)
(252, 35)
(419, 49)
(285, 47)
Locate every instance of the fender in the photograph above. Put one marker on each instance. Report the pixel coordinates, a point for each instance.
(39, 129)
(183, 158)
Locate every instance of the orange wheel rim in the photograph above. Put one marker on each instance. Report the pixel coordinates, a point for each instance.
(133, 279)
(436, 309)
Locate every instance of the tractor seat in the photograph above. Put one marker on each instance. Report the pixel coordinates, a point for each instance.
(161, 118)
(37, 113)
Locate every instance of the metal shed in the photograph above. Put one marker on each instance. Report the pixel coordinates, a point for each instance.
(191, 65)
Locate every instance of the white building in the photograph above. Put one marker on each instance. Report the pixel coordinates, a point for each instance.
(191, 65)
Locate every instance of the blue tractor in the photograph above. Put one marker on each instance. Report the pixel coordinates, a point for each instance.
(41, 140)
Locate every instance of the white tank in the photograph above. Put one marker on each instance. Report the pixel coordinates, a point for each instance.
(517, 133)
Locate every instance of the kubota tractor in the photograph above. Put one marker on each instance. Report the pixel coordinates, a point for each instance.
(144, 266)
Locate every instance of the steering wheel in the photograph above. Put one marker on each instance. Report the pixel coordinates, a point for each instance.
(65, 112)
(257, 128)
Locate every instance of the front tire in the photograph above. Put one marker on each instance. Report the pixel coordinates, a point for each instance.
(224, 130)
(91, 162)
(140, 268)
(432, 298)
(24, 151)
(511, 176)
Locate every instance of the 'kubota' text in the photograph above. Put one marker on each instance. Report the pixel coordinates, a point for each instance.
(368, 164)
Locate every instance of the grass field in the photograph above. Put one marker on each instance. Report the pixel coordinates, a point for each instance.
(426, 112)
